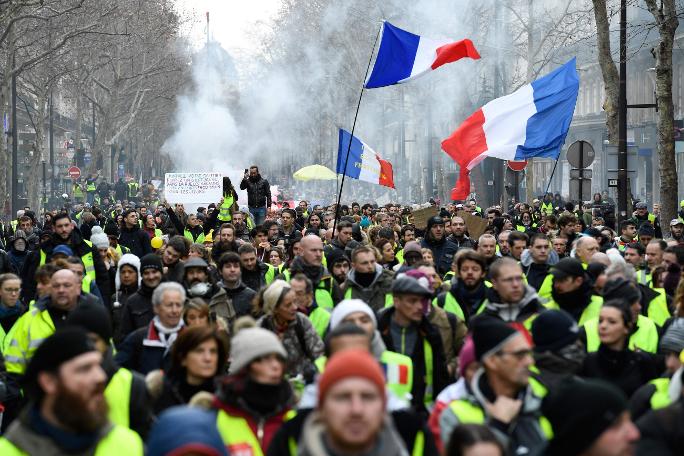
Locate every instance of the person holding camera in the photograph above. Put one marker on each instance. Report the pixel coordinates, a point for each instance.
(258, 193)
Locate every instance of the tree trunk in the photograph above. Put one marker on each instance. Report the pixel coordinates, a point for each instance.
(609, 71)
(33, 179)
(665, 17)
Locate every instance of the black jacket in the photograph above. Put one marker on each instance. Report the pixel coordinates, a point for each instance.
(662, 431)
(255, 279)
(133, 354)
(258, 192)
(137, 312)
(626, 369)
(426, 331)
(241, 297)
(443, 252)
(136, 240)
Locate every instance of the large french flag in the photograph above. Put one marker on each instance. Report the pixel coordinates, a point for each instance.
(404, 56)
(531, 122)
(363, 163)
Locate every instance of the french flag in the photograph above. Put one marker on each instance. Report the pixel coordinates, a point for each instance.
(396, 373)
(363, 163)
(531, 122)
(404, 56)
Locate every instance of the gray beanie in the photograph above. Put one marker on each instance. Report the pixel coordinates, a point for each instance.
(251, 343)
(274, 294)
(673, 339)
(100, 240)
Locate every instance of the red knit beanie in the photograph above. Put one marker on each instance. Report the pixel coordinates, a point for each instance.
(347, 364)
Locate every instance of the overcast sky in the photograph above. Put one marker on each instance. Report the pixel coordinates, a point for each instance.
(233, 23)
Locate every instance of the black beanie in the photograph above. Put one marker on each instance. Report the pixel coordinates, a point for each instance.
(64, 345)
(151, 260)
(489, 335)
(621, 289)
(580, 411)
(553, 330)
(434, 220)
(93, 318)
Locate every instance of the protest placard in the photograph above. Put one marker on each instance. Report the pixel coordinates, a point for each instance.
(421, 216)
(189, 188)
(474, 224)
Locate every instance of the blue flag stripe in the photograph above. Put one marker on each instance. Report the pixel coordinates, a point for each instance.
(355, 153)
(397, 53)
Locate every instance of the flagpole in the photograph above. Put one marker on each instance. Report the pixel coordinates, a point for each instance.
(552, 173)
(358, 106)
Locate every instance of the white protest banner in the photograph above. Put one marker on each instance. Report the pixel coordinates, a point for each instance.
(189, 188)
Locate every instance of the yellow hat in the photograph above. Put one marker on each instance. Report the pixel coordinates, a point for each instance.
(209, 238)
(156, 242)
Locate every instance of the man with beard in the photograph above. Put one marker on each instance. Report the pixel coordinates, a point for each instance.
(368, 281)
(467, 293)
(225, 242)
(502, 242)
(572, 291)
(458, 236)
(253, 271)
(137, 241)
(310, 263)
(289, 230)
(67, 412)
(64, 233)
(126, 391)
(567, 228)
(339, 265)
(443, 250)
(258, 194)
(240, 224)
(137, 312)
(47, 315)
(677, 230)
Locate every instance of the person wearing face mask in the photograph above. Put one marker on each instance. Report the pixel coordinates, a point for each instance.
(18, 251)
(254, 400)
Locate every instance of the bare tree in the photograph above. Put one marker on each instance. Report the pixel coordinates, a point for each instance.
(665, 16)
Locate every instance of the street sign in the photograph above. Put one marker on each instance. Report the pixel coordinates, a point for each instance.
(517, 165)
(581, 173)
(74, 172)
(580, 185)
(580, 154)
(612, 182)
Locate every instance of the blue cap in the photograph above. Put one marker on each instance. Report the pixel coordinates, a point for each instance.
(63, 249)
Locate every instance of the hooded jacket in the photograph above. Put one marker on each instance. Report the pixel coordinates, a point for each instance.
(374, 294)
(520, 311)
(523, 435)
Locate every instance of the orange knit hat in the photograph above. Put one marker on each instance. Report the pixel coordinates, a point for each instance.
(350, 363)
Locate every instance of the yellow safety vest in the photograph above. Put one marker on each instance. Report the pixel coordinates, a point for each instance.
(389, 299)
(547, 208)
(657, 307)
(225, 214)
(78, 193)
(320, 318)
(238, 436)
(591, 312)
(645, 338)
(118, 441)
(661, 396)
(188, 235)
(88, 261)
(398, 370)
(470, 413)
(32, 329)
(91, 187)
(118, 396)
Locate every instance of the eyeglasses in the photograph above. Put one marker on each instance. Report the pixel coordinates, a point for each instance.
(518, 354)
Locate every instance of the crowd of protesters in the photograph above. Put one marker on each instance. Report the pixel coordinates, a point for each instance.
(129, 326)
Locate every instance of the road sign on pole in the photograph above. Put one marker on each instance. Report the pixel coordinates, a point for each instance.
(74, 172)
(580, 154)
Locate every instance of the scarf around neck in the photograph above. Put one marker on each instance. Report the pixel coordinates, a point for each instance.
(159, 335)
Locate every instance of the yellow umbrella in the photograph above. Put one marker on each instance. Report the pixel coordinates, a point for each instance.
(314, 172)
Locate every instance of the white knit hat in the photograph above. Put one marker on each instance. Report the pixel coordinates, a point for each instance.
(273, 294)
(347, 307)
(251, 343)
(130, 260)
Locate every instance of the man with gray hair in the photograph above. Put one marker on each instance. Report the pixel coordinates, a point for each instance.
(147, 349)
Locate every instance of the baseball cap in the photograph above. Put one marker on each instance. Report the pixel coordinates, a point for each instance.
(641, 206)
(567, 267)
(676, 222)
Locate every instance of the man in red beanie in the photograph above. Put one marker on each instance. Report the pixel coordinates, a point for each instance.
(351, 417)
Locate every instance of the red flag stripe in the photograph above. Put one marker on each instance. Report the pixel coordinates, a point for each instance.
(386, 173)
(455, 51)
